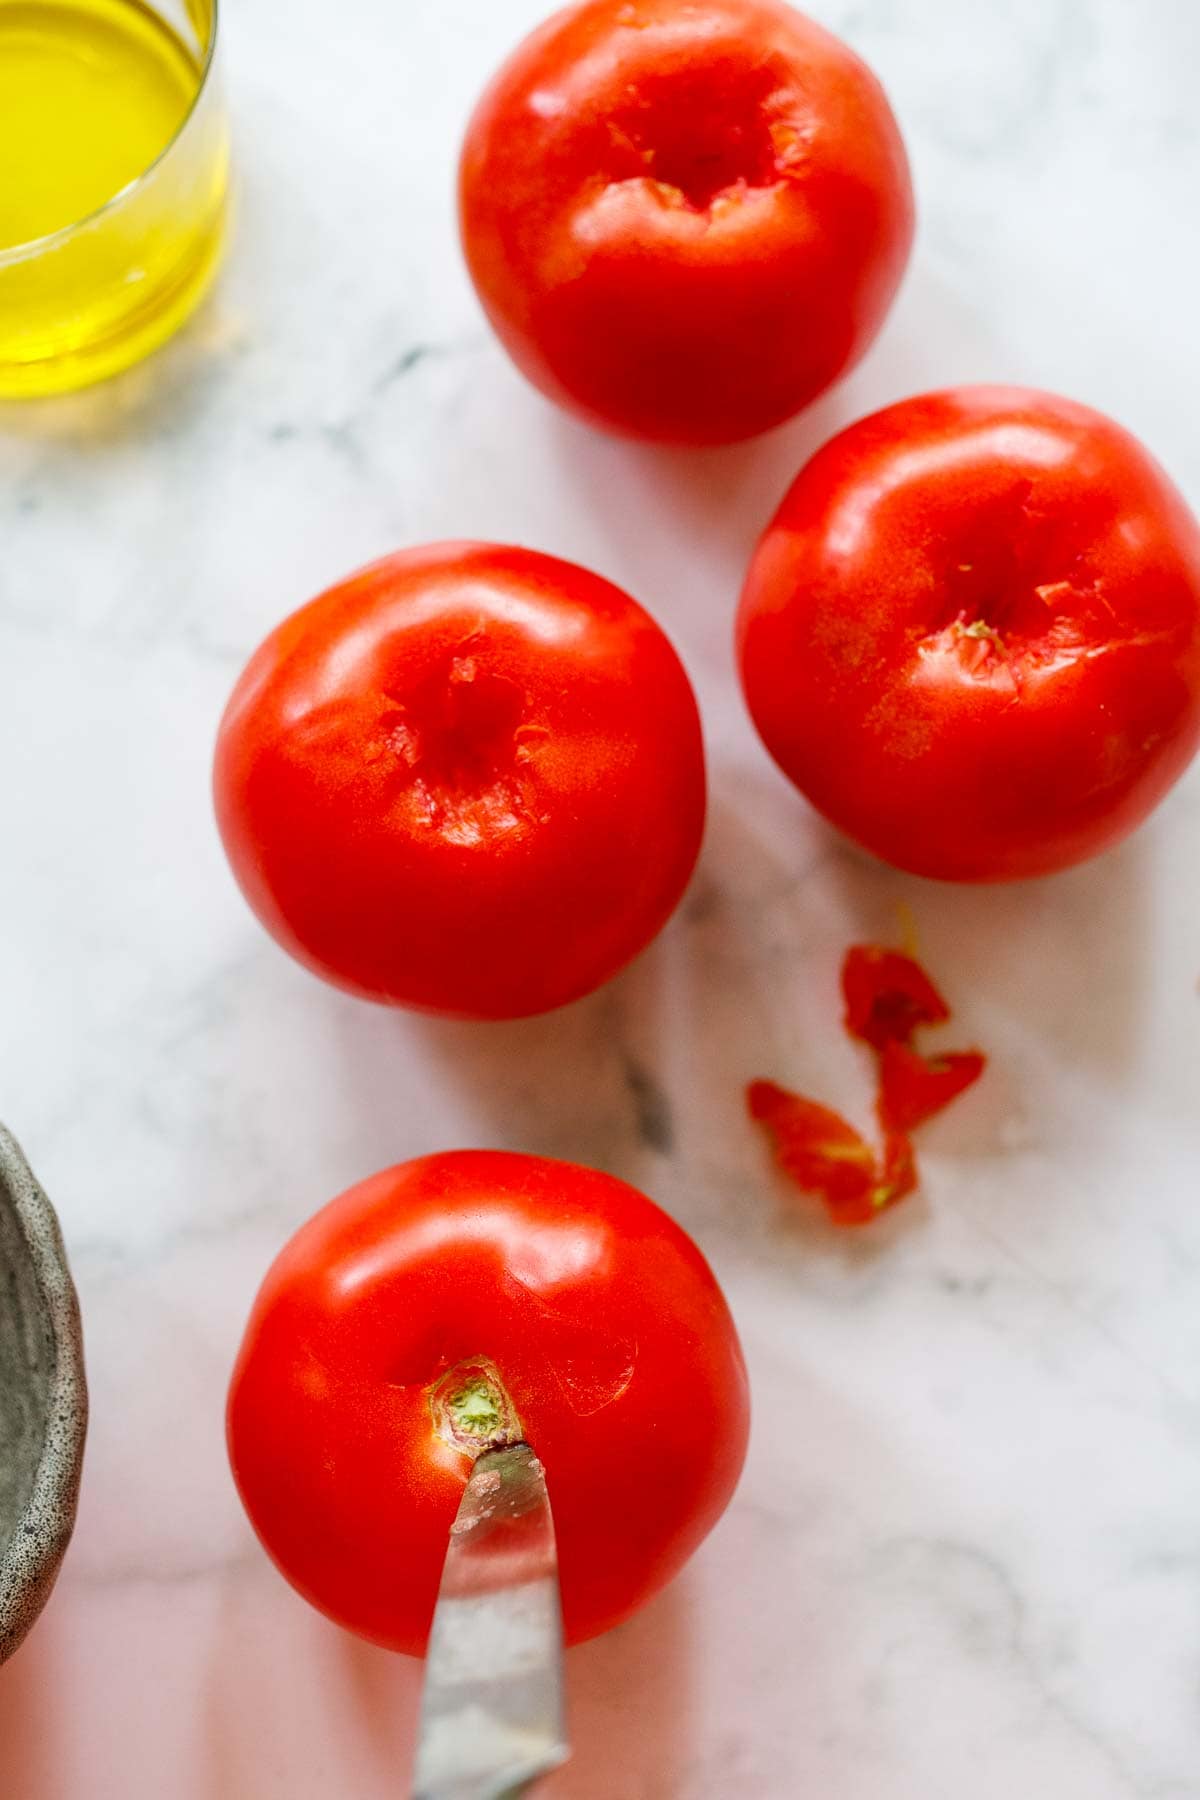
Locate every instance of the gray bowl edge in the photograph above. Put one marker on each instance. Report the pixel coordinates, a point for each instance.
(40, 1533)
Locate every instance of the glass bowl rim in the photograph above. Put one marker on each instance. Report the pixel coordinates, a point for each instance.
(53, 240)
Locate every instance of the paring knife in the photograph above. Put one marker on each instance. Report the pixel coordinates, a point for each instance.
(493, 1713)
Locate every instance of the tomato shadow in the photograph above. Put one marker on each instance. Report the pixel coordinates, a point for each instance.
(275, 1662)
(638, 504)
(659, 1708)
(580, 1084)
(31, 1705)
(383, 1695)
(267, 1674)
(629, 1706)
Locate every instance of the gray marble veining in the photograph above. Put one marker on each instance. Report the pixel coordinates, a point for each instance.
(965, 1559)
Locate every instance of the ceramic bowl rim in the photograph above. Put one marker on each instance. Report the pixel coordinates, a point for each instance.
(48, 1517)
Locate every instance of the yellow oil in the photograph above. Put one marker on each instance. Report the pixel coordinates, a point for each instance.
(111, 207)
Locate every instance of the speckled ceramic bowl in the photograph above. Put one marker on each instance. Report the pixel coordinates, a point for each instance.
(43, 1398)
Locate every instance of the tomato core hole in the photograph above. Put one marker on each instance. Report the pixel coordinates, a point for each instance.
(703, 134)
(986, 624)
(461, 724)
(1008, 583)
(464, 751)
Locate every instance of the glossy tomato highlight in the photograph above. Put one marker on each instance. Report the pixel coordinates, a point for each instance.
(469, 1299)
(971, 635)
(469, 779)
(685, 220)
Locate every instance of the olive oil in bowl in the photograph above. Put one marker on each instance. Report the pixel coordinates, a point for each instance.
(113, 183)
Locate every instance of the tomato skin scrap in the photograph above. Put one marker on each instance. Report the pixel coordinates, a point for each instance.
(888, 995)
(824, 1155)
(815, 1146)
(888, 998)
(914, 1088)
(899, 1178)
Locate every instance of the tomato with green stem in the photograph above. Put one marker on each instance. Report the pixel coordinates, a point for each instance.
(465, 1301)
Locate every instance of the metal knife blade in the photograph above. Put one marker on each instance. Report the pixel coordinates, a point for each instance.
(493, 1711)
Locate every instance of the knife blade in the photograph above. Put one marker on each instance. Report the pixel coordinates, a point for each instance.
(493, 1711)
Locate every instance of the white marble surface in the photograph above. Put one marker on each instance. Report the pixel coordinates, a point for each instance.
(966, 1556)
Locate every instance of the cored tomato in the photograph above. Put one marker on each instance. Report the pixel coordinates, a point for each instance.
(469, 779)
(685, 218)
(971, 636)
(462, 1301)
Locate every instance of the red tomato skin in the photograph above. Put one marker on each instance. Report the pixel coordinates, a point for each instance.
(914, 1088)
(619, 283)
(1055, 731)
(888, 995)
(815, 1147)
(468, 780)
(606, 1325)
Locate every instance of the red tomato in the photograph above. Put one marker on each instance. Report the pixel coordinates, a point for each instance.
(473, 1298)
(685, 218)
(469, 780)
(971, 636)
